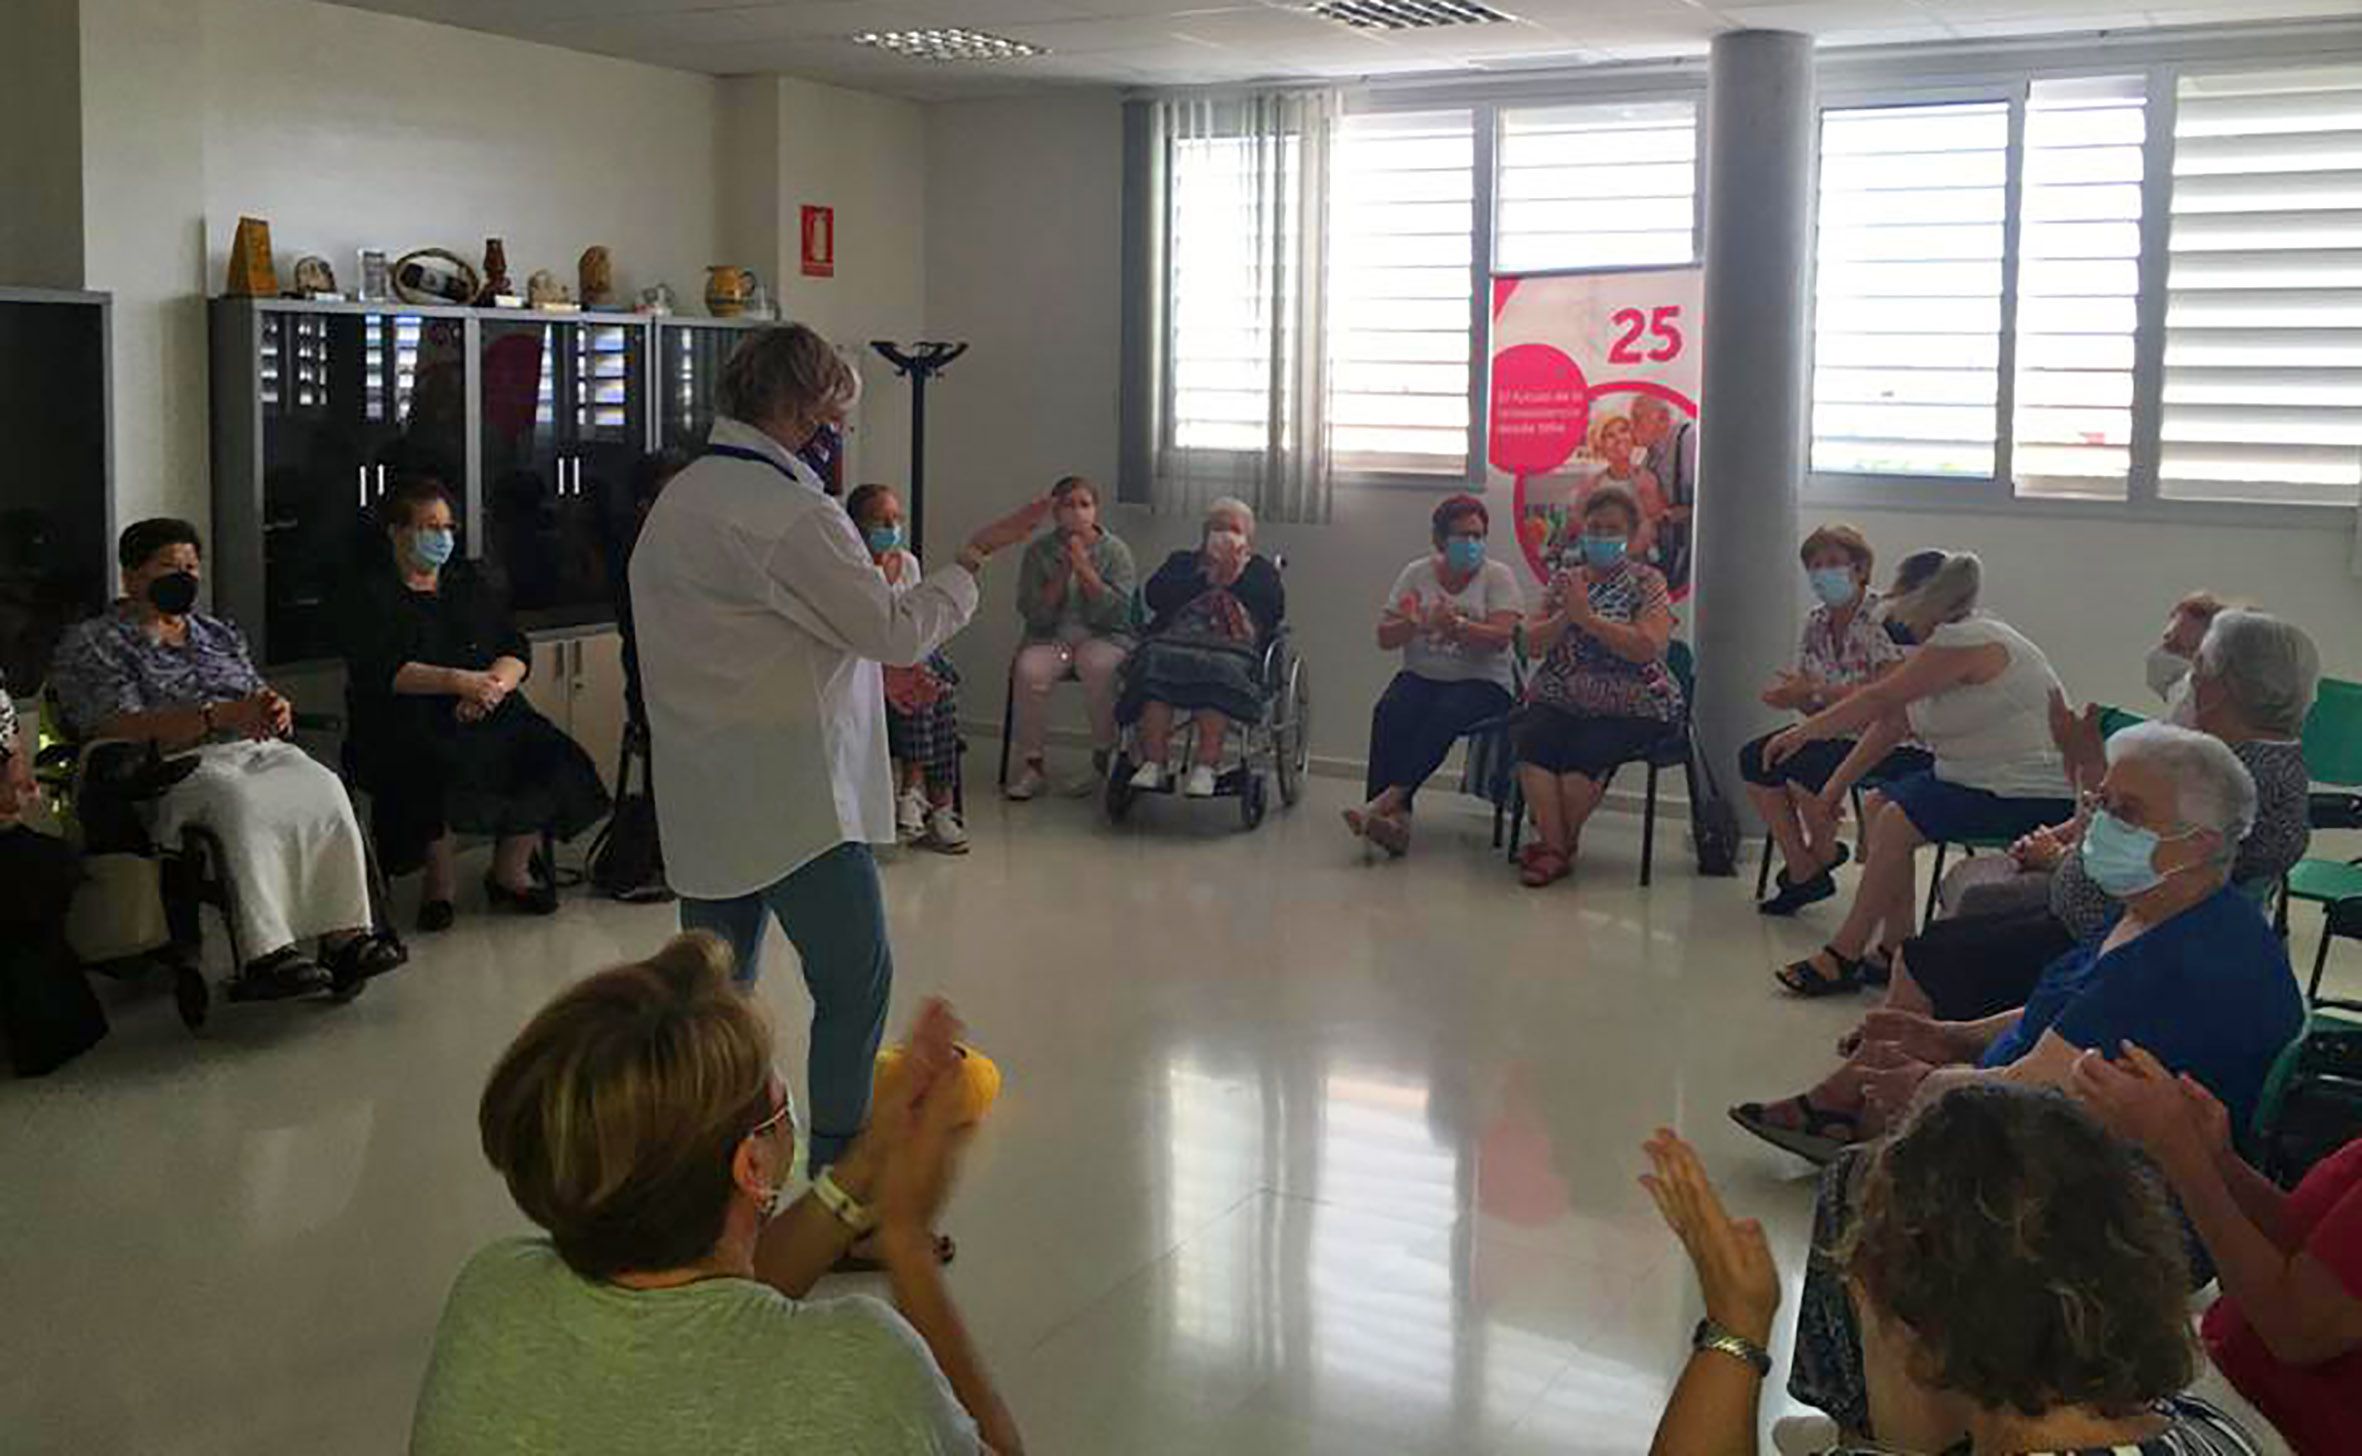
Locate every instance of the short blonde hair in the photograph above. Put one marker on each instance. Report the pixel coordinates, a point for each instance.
(1599, 429)
(786, 369)
(1839, 536)
(617, 1112)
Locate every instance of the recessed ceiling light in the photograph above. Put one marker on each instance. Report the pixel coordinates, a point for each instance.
(1406, 14)
(950, 43)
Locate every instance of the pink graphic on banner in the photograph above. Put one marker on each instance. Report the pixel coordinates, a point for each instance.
(1540, 409)
(1546, 517)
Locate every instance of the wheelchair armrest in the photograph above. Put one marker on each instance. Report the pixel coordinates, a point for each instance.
(317, 722)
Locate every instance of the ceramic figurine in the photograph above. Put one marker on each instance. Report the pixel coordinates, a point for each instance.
(543, 290)
(495, 272)
(726, 289)
(314, 278)
(657, 301)
(595, 272)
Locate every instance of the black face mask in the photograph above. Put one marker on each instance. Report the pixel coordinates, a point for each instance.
(173, 594)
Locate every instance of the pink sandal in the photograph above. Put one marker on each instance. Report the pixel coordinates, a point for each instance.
(1539, 865)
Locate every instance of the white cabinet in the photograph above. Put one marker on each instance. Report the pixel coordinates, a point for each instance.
(577, 683)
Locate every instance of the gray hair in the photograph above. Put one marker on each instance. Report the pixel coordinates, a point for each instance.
(1948, 594)
(1231, 505)
(2269, 667)
(2212, 788)
(785, 370)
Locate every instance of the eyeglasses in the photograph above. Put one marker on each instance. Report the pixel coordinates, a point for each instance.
(784, 1114)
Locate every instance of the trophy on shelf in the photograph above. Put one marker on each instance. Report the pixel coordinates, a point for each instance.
(251, 273)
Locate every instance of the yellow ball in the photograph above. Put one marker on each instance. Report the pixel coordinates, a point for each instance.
(979, 1088)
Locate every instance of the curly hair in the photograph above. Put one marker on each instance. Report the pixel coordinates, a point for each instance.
(2032, 1257)
(1452, 511)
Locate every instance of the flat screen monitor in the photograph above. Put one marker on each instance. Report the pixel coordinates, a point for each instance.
(55, 553)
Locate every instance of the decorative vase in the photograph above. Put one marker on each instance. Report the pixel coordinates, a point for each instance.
(726, 289)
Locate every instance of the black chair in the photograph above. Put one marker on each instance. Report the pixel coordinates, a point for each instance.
(1670, 749)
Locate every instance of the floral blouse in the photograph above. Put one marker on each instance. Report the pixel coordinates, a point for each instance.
(109, 666)
(1580, 676)
(1849, 659)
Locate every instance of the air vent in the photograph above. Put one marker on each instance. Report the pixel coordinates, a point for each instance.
(949, 44)
(1406, 14)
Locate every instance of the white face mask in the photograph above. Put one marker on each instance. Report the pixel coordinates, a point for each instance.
(2181, 703)
(1232, 541)
(2166, 670)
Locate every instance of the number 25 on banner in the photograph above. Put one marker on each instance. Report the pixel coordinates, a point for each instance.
(1663, 324)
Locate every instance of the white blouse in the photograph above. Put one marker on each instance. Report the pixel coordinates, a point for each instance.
(1994, 735)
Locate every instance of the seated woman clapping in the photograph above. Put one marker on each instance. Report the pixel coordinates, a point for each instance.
(639, 1121)
(1453, 615)
(1074, 592)
(2190, 969)
(1845, 646)
(1214, 607)
(2003, 1276)
(154, 669)
(441, 739)
(1602, 692)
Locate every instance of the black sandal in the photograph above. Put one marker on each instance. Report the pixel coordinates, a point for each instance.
(1812, 1141)
(1878, 970)
(1803, 978)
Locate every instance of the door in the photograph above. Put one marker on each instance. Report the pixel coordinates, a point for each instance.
(351, 403)
(525, 475)
(598, 700)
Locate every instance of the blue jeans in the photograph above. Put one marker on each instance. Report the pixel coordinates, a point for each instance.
(834, 912)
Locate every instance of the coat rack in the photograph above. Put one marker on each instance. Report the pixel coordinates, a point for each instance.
(918, 363)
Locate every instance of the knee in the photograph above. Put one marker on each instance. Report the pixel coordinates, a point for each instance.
(1751, 766)
(1894, 833)
(1036, 669)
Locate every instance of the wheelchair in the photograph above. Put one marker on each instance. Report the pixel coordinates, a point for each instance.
(97, 787)
(1276, 745)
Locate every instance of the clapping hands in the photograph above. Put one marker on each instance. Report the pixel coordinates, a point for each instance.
(1731, 1257)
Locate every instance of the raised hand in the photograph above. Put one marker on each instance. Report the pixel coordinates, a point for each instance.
(1012, 528)
(1732, 1260)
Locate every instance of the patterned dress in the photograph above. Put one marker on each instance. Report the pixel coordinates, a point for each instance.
(1581, 677)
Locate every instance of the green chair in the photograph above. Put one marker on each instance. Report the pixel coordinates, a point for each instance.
(2333, 756)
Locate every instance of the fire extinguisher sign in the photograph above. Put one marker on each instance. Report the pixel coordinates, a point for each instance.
(820, 242)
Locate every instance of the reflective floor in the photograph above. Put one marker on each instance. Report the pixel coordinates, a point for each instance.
(1300, 1152)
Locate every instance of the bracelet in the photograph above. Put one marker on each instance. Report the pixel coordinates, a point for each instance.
(843, 1206)
(1711, 1336)
(205, 715)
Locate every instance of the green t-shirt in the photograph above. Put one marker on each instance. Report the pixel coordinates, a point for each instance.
(532, 1358)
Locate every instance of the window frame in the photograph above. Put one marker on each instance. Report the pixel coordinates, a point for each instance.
(1933, 78)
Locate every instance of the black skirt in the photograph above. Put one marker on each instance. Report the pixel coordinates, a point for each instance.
(514, 773)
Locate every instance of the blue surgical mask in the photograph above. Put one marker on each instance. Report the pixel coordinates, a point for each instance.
(433, 548)
(883, 539)
(2120, 857)
(1602, 552)
(1464, 553)
(1834, 585)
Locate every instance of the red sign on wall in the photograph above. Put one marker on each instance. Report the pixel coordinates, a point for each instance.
(820, 242)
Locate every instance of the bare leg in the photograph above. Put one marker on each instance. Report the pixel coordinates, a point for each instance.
(1904, 993)
(1156, 732)
(1579, 796)
(1779, 816)
(1887, 879)
(442, 874)
(1820, 828)
(1541, 796)
(512, 861)
(1210, 728)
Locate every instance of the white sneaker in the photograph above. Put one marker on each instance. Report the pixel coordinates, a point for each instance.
(910, 814)
(945, 832)
(1149, 777)
(1028, 783)
(1201, 782)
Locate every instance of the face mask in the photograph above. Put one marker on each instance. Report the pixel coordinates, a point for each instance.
(1464, 553)
(883, 539)
(1834, 585)
(1602, 552)
(2118, 856)
(1227, 540)
(2181, 705)
(432, 548)
(174, 593)
(2166, 669)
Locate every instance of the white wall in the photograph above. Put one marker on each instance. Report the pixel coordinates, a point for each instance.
(41, 146)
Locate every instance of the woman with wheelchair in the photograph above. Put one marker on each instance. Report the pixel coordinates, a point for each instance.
(1602, 692)
(1452, 614)
(156, 671)
(1213, 610)
(440, 738)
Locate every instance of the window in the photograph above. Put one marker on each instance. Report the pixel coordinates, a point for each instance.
(2079, 265)
(1226, 237)
(1907, 313)
(1401, 253)
(2263, 332)
(1600, 186)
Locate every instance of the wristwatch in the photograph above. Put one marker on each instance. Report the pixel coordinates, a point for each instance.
(1711, 1336)
(843, 1206)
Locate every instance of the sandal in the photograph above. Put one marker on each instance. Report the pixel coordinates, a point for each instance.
(1878, 969)
(1389, 834)
(1539, 865)
(1803, 978)
(1844, 856)
(1812, 1141)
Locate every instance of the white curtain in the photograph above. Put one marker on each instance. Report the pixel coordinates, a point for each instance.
(1244, 379)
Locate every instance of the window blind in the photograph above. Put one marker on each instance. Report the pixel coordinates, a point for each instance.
(1596, 186)
(1222, 257)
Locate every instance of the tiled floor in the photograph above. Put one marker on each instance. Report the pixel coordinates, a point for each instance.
(1299, 1153)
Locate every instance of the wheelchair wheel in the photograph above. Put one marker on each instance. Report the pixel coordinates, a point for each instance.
(1292, 733)
(191, 995)
(1120, 792)
(1252, 799)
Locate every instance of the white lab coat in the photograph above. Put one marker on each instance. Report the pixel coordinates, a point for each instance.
(762, 621)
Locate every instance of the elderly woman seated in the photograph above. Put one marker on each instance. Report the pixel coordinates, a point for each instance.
(1214, 607)
(1602, 692)
(638, 1120)
(2251, 687)
(2190, 969)
(2002, 1276)
(1845, 646)
(1976, 694)
(154, 669)
(1452, 614)
(440, 738)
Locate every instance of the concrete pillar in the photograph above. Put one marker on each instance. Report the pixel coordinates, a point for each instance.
(1760, 129)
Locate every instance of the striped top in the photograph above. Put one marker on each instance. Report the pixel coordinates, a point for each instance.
(2194, 1428)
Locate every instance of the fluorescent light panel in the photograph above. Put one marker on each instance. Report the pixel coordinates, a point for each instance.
(1406, 14)
(949, 43)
